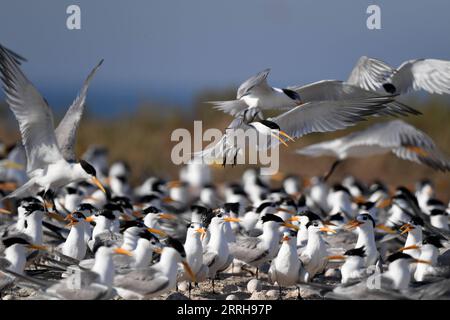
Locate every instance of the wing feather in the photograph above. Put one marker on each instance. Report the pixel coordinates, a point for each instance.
(370, 73)
(67, 128)
(32, 112)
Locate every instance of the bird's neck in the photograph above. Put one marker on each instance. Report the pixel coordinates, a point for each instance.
(16, 255)
(104, 267)
(366, 238)
(142, 254)
(34, 228)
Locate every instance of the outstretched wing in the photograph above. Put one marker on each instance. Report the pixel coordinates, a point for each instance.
(31, 111)
(257, 80)
(406, 142)
(431, 75)
(326, 116)
(370, 73)
(67, 129)
(337, 90)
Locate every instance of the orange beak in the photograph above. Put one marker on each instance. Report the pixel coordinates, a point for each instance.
(157, 231)
(4, 211)
(384, 204)
(279, 139)
(98, 184)
(406, 228)
(56, 216)
(37, 247)
(353, 224)
(336, 258)
(231, 219)
(123, 251)
(327, 229)
(89, 219)
(422, 261)
(288, 211)
(286, 238)
(284, 134)
(200, 230)
(409, 248)
(290, 225)
(167, 216)
(385, 228)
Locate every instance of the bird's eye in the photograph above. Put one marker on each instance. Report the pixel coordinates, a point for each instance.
(153, 242)
(316, 224)
(364, 218)
(192, 227)
(219, 215)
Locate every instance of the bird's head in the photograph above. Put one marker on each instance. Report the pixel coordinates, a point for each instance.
(87, 172)
(267, 127)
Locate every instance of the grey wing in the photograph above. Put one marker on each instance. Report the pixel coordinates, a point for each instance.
(431, 75)
(142, 281)
(67, 128)
(326, 148)
(248, 85)
(32, 112)
(336, 90)
(246, 249)
(370, 73)
(406, 142)
(209, 258)
(232, 107)
(326, 116)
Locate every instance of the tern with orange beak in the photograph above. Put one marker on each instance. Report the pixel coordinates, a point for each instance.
(254, 251)
(365, 225)
(157, 279)
(46, 166)
(314, 255)
(286, 269)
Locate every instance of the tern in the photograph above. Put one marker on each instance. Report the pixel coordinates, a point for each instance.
(255, 251)
(365, 225)
(255, 95)
(319, 116)
(314, 255)
(414, 230)
(431, 75)
(353, 268)
(286, 268)
(46, 165)
(396, 136)
(157, 279)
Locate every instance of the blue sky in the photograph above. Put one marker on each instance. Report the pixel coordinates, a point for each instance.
(169, 50)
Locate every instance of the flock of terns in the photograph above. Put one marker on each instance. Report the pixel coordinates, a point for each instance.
(78, 230)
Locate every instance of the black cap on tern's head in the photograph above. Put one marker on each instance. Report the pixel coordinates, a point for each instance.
(27, 200)
(399, 255)
(125, 202)
(88, 168)
(177, 245)
(389, 88)
(144, 234)
(199, 209)
(232, 207)
(438, 212)
(287, 201)
(263, 206)
(366, 205)
(271, 217)
(436, 203)
(33, 207)
(417, 221)
(151, 209)
(377, 186)
(366, 217)
(10, 241)
(113, 207)
(310, 215)
(148, 198)
(433, 240)
(86, 207)
(340, 187)
(108, 214)
(71, 190)
(359, 252)
(336, 217)
(125, 224)
(301, 201)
